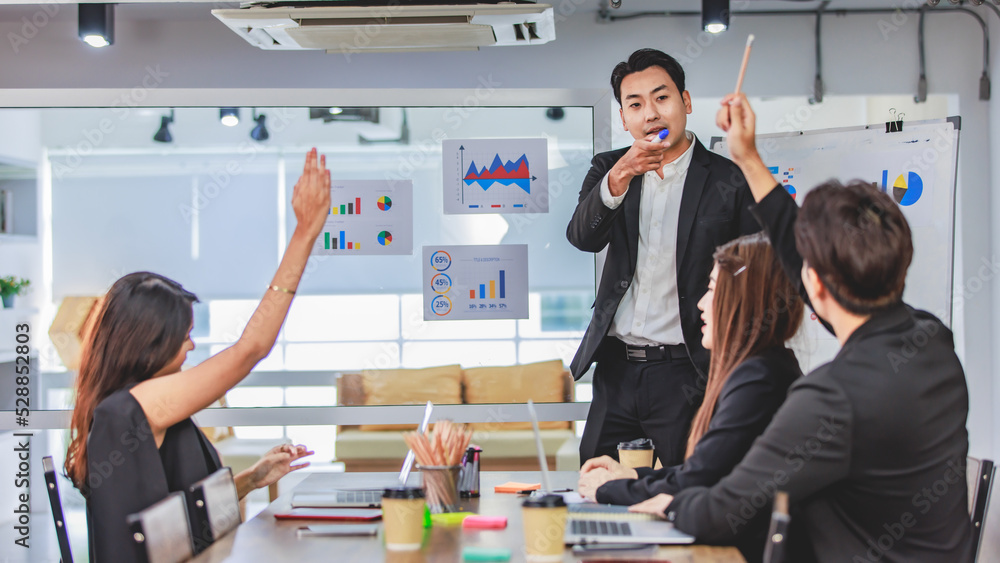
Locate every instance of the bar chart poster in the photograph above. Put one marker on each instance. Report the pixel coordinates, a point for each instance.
(368, 217)
(495, 176)
(475, 282)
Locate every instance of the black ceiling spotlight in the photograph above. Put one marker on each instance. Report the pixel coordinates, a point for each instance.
(555, 114)
(259, 132)
(715, 15)
(163, 133)
(96, 24)
(230, 117)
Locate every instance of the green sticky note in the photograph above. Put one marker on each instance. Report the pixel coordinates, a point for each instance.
(473, 553)
(450, 518)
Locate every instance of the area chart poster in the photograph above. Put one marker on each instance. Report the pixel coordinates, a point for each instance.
(368, 217)
(475, 282)
(495, 176)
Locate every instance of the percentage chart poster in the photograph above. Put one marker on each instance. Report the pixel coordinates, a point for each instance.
(368, 217)
(475, 282)
(495, 176)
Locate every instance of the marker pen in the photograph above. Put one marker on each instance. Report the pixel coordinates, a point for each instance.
(663, 134)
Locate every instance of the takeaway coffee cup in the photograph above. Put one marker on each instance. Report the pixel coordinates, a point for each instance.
(544, 526)
(403, 518)
(637, 453)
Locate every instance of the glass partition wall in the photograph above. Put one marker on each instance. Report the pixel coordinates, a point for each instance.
(211, 209)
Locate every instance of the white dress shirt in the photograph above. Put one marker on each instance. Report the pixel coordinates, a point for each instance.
(649, 312)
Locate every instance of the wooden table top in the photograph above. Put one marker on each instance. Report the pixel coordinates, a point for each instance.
(264, 538)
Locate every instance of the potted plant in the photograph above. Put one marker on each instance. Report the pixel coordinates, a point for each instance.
(11, 286)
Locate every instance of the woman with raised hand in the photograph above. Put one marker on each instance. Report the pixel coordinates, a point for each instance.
(133, 440)
(750, 311)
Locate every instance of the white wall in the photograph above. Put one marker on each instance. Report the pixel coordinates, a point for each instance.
(864, 54)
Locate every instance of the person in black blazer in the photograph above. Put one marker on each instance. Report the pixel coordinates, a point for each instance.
(870, 447)
(132, 437)
(660, 208)
(750, 310)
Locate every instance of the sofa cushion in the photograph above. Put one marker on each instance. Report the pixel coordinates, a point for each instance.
(440, 385)
(542, 382)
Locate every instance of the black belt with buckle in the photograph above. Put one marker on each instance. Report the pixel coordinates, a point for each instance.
(646, 353)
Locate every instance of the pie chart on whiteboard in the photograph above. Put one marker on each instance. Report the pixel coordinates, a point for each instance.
(907, 188)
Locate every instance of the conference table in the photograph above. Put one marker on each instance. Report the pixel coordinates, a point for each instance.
(264, 538)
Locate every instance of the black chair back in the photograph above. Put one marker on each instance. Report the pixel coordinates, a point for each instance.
(215, 508)
(980, 475)
(162, 533)
(776, 548)
(57, 512)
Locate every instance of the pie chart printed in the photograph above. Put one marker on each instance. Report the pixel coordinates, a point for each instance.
(907, 188)
(385, 238)
(384, 203)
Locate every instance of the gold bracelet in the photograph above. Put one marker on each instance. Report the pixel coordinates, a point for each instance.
(281, 289)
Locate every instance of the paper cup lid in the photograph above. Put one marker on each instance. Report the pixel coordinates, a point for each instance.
(638, 444)
(403, 492)
(546, 501)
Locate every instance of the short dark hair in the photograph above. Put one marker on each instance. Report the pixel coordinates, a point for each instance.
(859, 243)
(640, 61)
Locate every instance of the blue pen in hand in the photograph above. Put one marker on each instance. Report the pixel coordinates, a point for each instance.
(663, 134)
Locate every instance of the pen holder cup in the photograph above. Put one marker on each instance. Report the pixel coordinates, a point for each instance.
(441, 487)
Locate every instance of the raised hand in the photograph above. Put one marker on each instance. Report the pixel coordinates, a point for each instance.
(311, 196)
(736, 118)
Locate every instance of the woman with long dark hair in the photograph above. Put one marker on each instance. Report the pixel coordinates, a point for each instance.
(133, 440)
(750, 311)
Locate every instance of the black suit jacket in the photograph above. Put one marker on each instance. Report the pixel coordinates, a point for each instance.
(748, 400)
(713, 211)
(128, 473)
(870, 447)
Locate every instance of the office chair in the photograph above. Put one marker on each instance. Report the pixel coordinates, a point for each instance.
(57, 512)
(980, 475)
(162, 533)
(777, 535)
(214, 507)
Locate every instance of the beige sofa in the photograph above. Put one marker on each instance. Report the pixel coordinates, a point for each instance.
(506, 445)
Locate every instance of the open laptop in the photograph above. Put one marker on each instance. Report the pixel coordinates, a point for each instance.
(589, 523)
(359, 498)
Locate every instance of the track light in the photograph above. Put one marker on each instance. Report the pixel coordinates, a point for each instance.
(163, 133)
(715, 15)
(96, 24)
(230, 117)
(259, 132)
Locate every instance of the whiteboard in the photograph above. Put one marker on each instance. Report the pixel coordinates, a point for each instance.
(916, 166)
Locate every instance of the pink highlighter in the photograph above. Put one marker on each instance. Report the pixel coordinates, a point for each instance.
(485, 522)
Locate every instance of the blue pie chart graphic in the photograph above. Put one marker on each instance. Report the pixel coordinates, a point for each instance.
(907, 188)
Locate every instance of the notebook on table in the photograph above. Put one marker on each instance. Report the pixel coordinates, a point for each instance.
(589, 523)
(358, 498)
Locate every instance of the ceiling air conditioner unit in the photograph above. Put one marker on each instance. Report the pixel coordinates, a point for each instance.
(347, 27)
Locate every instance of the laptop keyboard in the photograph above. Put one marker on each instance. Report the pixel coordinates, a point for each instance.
(598, 528)
(373, 497)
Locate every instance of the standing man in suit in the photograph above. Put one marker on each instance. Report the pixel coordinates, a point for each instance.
(660, 208)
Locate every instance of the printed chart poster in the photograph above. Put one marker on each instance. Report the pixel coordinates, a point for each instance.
(368, 217)
(495, 176)
(476, 282)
